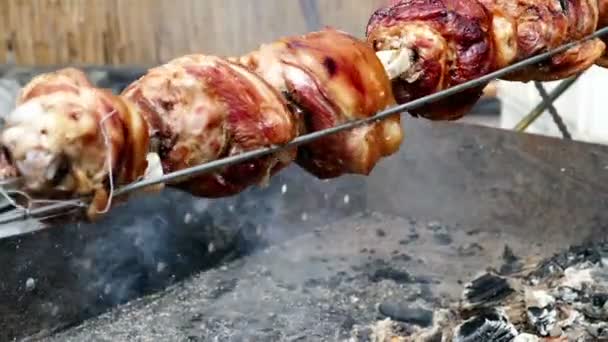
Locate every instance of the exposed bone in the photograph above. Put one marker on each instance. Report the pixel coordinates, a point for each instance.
(395, 62)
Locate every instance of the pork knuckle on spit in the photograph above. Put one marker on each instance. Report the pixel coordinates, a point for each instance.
(67, 139)
(203, 108)
(332, 78)
(543, 25)
(430, 45)
(603, 22)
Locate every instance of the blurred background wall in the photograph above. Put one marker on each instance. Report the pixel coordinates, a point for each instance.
(49, 32)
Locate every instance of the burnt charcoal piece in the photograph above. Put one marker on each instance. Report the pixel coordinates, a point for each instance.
(488, 326)
(508, 256)
(597, 308)
(402, 312)
(487, 290)
(348, 323)
(600, 299)
(511, 262)
(593, 253)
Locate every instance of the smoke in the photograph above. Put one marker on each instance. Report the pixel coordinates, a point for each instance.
(145, 246)
(155, 241)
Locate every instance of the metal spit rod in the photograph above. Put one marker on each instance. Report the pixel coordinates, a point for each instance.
(20, 214)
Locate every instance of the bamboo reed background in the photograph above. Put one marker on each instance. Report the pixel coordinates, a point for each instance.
(144, 32)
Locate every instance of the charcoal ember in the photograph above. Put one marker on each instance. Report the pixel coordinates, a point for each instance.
(490, 325)
(511, 264)
(541, 311)
(600, 299)
(402, 312)
(486, 291)
(576, 255)
(596, 308)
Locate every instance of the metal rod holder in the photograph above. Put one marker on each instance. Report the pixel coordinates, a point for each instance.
(546, 102)
(557, 119)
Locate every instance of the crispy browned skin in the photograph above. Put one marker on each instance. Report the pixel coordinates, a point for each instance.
(543, 25)
(453, 41)
(449, 43)
(67, 138)
(333, 78)
(67, 80)
(203, 108)
(603, 22)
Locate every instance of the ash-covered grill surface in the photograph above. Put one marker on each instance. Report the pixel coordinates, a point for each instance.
(342, 281)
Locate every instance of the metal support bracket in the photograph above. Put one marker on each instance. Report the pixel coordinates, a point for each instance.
(559, 122)
(545, 104)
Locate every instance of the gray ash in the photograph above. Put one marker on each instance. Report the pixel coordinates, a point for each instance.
(322, 287)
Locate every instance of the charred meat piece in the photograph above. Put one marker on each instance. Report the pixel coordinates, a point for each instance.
(603, 22)
(67, 139)
(538, 26)
(430, 45)
(203, 108)
(332, 78)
